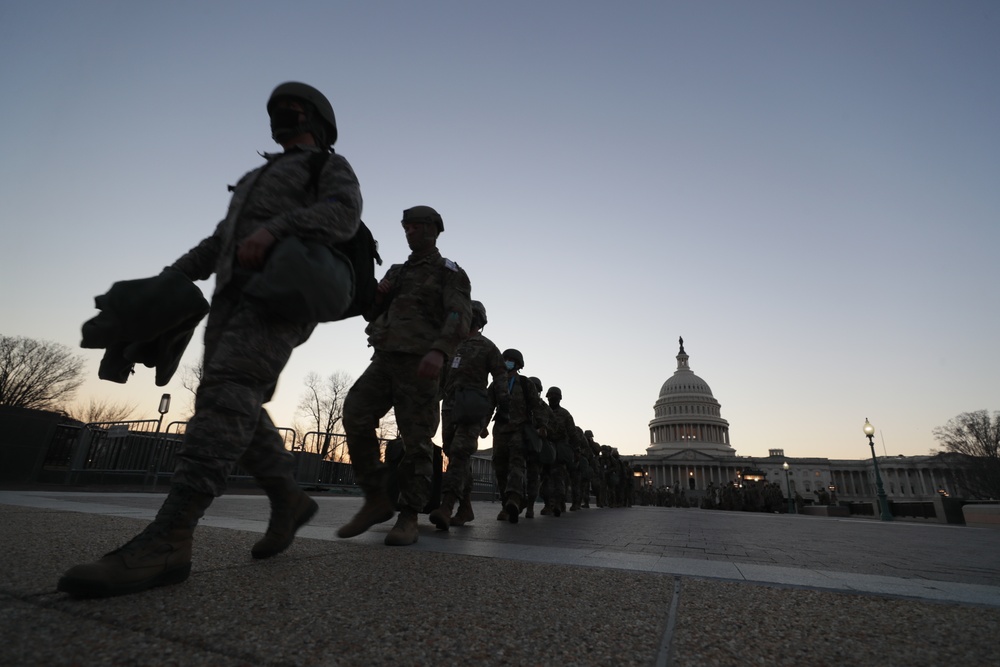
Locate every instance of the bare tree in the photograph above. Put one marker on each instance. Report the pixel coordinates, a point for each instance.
(190, 380)
(37, 374)
(322, 405)
(388, 429)
(975, 435)
(101, 410)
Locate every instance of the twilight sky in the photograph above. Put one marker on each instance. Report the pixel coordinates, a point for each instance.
(807, 192)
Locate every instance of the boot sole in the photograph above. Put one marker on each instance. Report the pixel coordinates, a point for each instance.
(78, 588)
(512, 511)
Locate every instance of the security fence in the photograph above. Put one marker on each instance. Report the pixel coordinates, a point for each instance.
(142, 452)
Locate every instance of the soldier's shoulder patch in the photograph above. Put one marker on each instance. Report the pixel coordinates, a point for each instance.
(450, 264)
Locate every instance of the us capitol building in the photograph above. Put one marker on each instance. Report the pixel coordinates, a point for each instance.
(690, 448)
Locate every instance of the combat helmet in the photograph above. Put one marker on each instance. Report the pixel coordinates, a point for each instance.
(424, 214)
(515, 356)
(554, 392)
(479, 313)
(314, 99)
(537, 382)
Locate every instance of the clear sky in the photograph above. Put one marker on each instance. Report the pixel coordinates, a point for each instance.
(807, 192)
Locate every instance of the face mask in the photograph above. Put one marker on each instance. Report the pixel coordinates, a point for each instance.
(509, 365)
(284, 123)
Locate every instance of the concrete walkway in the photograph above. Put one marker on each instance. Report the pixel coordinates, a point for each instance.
(638, 586)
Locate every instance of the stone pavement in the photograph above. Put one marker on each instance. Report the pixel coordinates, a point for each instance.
(639, 586)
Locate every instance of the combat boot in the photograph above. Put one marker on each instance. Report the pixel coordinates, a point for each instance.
(405, 532)
(291, 509)
(575, 507)
(158, 556)
(512, 507)
(529, 511)
(502, 516)
(464, 514)
(377, 509)
(441, 517)
(547, 510)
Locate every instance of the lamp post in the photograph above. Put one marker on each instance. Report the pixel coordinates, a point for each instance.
(163, 408)
(788, 486)
(883, 502)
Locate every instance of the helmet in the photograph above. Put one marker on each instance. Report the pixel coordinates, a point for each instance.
(515, 356)
(479, 313)
(589, 433)
(537, 383)
(315, 99)
(424, 214)
(554, 392)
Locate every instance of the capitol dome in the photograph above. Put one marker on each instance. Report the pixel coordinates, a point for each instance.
(687, 416)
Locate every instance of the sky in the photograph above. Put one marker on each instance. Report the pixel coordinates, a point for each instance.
(807, 192)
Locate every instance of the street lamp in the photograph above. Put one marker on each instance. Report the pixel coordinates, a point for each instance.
(163, 408)
(788, 486)
(883, 502)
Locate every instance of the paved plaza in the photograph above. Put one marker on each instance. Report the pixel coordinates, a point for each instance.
(640, 586)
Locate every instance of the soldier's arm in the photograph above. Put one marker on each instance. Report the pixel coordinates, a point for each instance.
(457, 300)
(199, 262)
(383, 294)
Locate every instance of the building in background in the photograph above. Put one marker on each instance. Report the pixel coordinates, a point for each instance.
(690, 450)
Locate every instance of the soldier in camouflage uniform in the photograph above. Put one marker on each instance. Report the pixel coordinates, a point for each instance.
(476, 359)
(562, 431)
(508, 434)
(597, 481)
(584, 472)
(422, 313)
(534, 470)
(245, 350)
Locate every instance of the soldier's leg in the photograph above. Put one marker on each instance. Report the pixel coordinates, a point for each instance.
(462, 445)
(273, 467)
(417, 410)
(515, 477)
(245, 353)
(576, 489)
(532, 485)
(368, 400)
(501, 460)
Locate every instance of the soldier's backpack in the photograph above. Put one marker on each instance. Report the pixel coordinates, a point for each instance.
(361, 250)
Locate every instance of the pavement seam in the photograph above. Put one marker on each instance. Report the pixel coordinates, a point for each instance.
(664, 656)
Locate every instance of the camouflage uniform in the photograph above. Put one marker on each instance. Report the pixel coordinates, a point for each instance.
(477, 358)
(584, 472)
(508, 445)
(245, 349)
(533, 463)
(554, 486)
(428, 308)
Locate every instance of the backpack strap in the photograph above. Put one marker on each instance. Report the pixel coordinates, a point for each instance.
(317, 160)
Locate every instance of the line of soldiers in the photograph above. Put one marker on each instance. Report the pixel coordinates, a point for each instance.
(423, 330)
(540, 452)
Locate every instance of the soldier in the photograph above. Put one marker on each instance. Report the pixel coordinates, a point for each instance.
(562, 431)
(592, 485)
(422, 312)
(579, 476)
(535, 470)
(466, 412)
(245, 350)
(509, 432)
